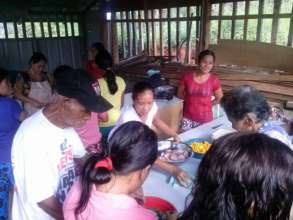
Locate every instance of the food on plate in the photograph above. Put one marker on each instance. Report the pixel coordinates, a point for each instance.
(174, 154)
(200, 147)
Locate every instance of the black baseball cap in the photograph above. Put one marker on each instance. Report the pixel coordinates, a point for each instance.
(77, 84)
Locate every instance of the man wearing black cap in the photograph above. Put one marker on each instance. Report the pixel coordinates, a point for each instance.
(44, 147)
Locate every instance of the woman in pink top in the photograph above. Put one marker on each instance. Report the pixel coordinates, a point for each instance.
(197, 89)
(103, 191)
(90, 134)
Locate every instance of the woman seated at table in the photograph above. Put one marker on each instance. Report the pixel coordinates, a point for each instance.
(248, 111)
(196, 88)
(144, 109)
(243, 177)
(107, 181)
(33, 87)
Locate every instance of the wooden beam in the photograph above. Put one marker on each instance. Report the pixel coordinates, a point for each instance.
(277, 6)
(283, 90)
(205, 21)
(169, 34)
(220, 21)
(128, 36)
(177, 34)
(245, 19)
(153, 34)
(140, 35)
(233, 20)
(259, 20)
(114, 40)
(161, 34)
(122, 39)
(290, 37)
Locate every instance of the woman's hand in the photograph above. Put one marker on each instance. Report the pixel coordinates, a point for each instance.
(177, 139)
(182, 177)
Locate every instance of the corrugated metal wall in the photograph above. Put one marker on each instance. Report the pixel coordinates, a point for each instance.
(15, 54)
(62, 42)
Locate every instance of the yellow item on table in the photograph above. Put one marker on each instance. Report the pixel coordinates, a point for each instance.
(200, 147)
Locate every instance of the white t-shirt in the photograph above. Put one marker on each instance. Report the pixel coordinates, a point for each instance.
(43, 166)
(128, 113)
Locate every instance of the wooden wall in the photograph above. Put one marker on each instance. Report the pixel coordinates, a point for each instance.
(245, 53)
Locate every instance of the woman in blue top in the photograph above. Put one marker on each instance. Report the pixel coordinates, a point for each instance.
(10, 117)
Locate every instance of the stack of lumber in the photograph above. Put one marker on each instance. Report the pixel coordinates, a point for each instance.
(277, 86)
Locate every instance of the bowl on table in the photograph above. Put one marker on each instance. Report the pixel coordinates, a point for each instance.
(175, 153)
(152, 202)
(199, 146)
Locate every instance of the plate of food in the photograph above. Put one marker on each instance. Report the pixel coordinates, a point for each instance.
(177, 153)
(199, 146)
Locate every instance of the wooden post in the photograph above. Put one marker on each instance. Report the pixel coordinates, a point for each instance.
(128, 36)
(277, 6)
(205, 27)
(169, 34)
(161, 34)
(245, 19)
(177, 34)
(259, 20)
(114, 40)
(290, 37)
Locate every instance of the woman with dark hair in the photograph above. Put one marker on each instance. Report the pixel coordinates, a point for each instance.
(33, 87)
(97, 48)
(144, 109)
(248, 110)
(106, 182)
(196, 89)
(10, 116)
(112, 88)
(243, 177)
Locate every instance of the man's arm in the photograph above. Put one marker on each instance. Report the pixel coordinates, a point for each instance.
(53, 207)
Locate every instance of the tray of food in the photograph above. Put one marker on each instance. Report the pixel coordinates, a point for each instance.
(176, 153)
(199, 146)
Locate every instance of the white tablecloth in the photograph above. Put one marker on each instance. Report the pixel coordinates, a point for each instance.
(156, 183)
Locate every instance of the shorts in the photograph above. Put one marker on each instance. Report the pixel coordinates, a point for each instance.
(6, 183)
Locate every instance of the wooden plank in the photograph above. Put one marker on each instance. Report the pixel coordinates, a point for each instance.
(271, 78)
(161, 34)
(253, 53)
(261, 86)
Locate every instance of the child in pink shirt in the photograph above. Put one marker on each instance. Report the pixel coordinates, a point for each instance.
(103, 191)
(90, 134)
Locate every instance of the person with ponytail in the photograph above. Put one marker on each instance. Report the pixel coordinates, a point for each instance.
(112, 88)
(107, 181)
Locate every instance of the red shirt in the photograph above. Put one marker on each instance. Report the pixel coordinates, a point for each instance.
(197, 100)
(92, 69)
